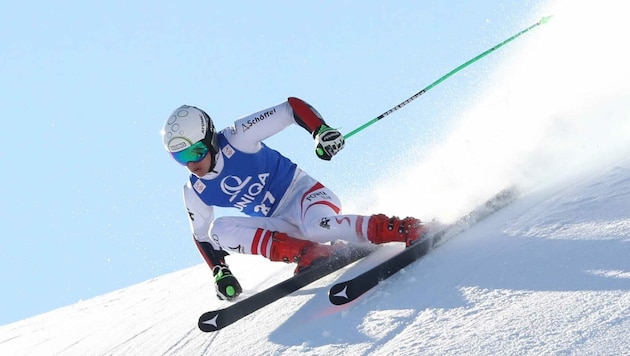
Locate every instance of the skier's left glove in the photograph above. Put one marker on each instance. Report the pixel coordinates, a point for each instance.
(328, 142)
(225, 283)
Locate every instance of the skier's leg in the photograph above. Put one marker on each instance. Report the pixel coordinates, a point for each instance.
(319, 219)
(272, 238)
(248, 235)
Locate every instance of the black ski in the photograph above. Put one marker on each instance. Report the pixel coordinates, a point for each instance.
(218, 319)
(345, 292)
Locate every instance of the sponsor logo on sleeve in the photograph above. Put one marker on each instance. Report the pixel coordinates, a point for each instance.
(228, 151)
(256, 119)
(199, 186)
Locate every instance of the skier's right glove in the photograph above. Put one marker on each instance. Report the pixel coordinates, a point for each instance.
(225, 283)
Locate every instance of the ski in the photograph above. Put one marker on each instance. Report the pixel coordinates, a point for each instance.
(347, 291)
(219, 319)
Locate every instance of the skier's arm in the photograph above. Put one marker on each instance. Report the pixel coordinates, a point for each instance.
(200, 217)
(212, 256)
(305, 115)
(248, 132)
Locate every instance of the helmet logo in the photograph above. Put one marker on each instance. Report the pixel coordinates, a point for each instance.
(179, 146)
(203, 124)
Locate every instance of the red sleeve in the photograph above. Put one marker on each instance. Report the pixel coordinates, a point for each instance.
(210, 255)
(305, 115)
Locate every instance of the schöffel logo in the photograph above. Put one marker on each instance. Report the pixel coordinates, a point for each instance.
(253, 121)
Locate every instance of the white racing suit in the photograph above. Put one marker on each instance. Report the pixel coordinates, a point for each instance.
(273, 193)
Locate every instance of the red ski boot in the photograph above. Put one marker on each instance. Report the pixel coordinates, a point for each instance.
(305, 253)
(382, 229)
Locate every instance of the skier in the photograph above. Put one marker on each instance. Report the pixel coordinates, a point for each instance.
(289, 216)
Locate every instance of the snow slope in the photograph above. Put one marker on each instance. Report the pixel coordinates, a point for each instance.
(549, 274)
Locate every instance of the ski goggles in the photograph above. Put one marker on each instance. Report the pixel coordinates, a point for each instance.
(194, 153)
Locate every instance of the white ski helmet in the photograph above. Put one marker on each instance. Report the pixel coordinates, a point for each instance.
(186, 126)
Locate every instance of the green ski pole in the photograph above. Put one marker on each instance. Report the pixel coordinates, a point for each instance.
(444, 77)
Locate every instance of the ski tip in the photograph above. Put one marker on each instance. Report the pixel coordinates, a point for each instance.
(208, 322)
(338, 294)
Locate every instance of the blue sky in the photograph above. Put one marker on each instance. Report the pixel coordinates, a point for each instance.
(90, 200)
